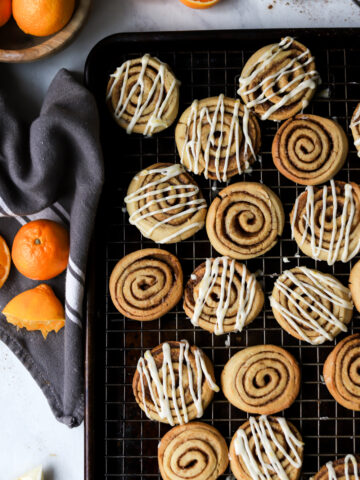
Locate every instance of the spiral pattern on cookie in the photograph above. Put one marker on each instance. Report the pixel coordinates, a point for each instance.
(218, 137)
(174, 383)
(245, 220)
(263, 379)
(355, 128)
(143, 95)
(222, 296)
(347, 468)
(325, 222)
(196, 450)
(310, 305)
(309, 149)
(266, 447)
(279, 80)
(342, 372)
(165, 203)
(146, 284)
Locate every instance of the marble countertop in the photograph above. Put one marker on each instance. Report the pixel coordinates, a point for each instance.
(29, 433)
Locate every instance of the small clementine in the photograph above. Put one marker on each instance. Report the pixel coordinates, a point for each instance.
(199, 4)
(5, 11)
(40, 249)
(36, 309)
(5, 261)
(42, 17)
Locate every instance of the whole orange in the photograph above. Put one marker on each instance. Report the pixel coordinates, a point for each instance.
(40, 249)
(42, 17)
(5, 11)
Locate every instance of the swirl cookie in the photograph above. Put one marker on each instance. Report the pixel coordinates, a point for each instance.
(354, 284)
(355, 128)
(143, 95)
(174, 383)
(146, 284)
(222, 296)
(347, 468)
(279, 80)
(309, 150)
(266, 447)
(245, 220)
(310, 305)
(342, 372)
(263, 379)
(325, 222)
(195, 451)
(165, 203)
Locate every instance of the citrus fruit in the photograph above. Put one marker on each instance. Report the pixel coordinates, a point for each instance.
(199, 3)
(40, 249)
(5, 261)
(36, 309)
(42, 17)
(5, 11)
(35, 474)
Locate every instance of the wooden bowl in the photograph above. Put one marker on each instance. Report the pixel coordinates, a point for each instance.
(16, 46)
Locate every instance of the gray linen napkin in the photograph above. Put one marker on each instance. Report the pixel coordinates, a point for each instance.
(53, 170)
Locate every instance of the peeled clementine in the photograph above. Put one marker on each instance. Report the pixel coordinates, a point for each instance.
(42, 17)
(5, 11)
(40, 249)
(36, 309)
(5, 261)
(199, 3)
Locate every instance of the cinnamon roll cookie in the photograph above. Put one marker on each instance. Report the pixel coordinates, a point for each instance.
(355, 128)
(310, 305)
(263, 379)
(195, 451)
(245, 220)
(347, 468)
(146, 284)
(222, 296)
(342, 372)
(218, 137)
(143, 95)
(279, 80)
(174, 383)
(309, 150)
(165, 203)
(325, 222)
(266, 447)
(354, 284)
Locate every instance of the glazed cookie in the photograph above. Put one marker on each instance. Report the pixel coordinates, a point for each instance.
(266, 447)
(342, 372)
(355, 128)
(165, 203)
(263, 379)
(174, 383)
(310, 305)
(279, 80)
(217, 137)
(347, 468)
(354, 284)
(222, 296)
(143, 95)
(325, 222)
(309, 150)
(146, 284)
(195, 451)
(245, 220)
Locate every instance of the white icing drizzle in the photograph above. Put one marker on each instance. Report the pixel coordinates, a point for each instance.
(192, 147)
(142, 103)
(320, 288)
(345, 227)
(262, 433)
(349, 458)
(162, 403)
(246, 295)
(271, 80)
(190, 206)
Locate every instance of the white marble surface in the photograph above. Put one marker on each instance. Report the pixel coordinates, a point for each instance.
(29, 434)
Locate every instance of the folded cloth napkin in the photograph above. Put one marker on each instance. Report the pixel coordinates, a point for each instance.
(53, 170)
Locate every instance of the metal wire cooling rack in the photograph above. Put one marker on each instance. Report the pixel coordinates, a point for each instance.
(208, 63)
